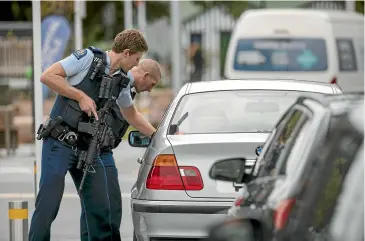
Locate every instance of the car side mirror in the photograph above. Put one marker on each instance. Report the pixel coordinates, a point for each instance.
(231, 170)
(173, 129)
(137, 139)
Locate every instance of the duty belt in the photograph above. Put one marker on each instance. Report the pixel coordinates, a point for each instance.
(57, 130)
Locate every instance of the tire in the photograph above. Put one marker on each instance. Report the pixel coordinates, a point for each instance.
(235, 231)
(247, 232)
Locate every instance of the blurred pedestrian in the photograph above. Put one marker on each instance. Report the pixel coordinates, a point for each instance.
(195, 55)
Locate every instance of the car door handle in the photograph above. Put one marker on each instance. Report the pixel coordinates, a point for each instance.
(140, 160)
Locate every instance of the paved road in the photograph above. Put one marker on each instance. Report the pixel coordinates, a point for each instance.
(16, 183)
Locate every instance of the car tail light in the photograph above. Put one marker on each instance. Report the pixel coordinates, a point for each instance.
(239, 201)
(334, 80)
(282, 213)
(165, 174)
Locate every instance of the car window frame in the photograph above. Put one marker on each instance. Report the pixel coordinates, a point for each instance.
(307, 198)
(303, 119)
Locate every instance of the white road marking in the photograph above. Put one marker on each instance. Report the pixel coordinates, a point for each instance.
(15, 170)
(8, 170)
(31, 195)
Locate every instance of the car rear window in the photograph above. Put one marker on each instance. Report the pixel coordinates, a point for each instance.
(238, 111)
(281, 54)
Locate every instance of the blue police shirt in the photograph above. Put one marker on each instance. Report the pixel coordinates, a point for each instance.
(77, 65)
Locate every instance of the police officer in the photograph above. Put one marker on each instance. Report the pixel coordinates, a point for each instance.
(143, 77)
(59, 155)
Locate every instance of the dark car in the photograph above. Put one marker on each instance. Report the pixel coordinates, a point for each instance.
(271, 190)
(330, 206)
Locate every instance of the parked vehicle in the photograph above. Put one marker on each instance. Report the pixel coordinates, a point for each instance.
(330, 206)
(319, 45)
(173, 196)
(282, 168)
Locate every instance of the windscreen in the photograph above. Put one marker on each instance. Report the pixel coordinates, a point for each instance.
(281, 54)
(236, 111)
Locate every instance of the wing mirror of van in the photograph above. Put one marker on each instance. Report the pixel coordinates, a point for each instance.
(231, 170)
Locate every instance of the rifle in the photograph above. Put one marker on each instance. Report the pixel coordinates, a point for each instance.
(100, 131)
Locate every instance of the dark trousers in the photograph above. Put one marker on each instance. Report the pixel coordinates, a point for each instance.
(57, 159)
(115, 198)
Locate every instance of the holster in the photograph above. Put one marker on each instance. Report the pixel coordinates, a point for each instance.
(56, 129)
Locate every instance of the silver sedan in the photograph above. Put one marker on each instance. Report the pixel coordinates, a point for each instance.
(173, 196)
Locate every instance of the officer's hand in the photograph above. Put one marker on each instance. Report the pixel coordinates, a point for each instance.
(88, 106)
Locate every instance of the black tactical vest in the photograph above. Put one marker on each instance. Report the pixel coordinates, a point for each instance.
(70, 110)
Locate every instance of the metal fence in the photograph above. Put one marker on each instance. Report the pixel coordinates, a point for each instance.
(333, 5)
(212, 30)
(15, 57)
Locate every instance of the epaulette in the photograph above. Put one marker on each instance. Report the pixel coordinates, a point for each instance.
(95, 50)
(80, 53)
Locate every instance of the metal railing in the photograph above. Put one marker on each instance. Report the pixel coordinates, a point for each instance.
(15, 57)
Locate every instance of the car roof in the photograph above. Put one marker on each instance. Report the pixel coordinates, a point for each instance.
(261, 84)
(336, 103)
(325, 14)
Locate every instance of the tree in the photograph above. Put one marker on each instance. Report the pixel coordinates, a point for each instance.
(360, 6)
(234, 7)
(93, 21)
(237, 7)
(92, 24)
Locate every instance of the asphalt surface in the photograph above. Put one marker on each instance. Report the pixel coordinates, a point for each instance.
(17, 183)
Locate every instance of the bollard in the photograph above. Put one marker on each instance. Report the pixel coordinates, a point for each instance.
(35, 179)
(18, 221)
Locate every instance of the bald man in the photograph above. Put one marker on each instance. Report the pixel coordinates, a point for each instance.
(144, 77)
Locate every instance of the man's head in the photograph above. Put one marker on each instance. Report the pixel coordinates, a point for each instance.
(128, 48)
(146, 75)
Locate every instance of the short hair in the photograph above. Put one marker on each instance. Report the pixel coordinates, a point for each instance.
(152, 66)
(131, 39)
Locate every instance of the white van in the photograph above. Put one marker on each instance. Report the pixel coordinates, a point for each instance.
(320, 45)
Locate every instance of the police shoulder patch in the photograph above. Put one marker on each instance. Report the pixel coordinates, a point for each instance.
(80, 53)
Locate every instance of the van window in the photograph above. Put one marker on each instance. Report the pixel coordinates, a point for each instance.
(346, 55)
(281, 54)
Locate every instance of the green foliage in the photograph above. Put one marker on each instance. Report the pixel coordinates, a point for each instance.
(93, 23)
(236, 8)
(57, 7)
(291, 124)
(359, 6)
(329, 195)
